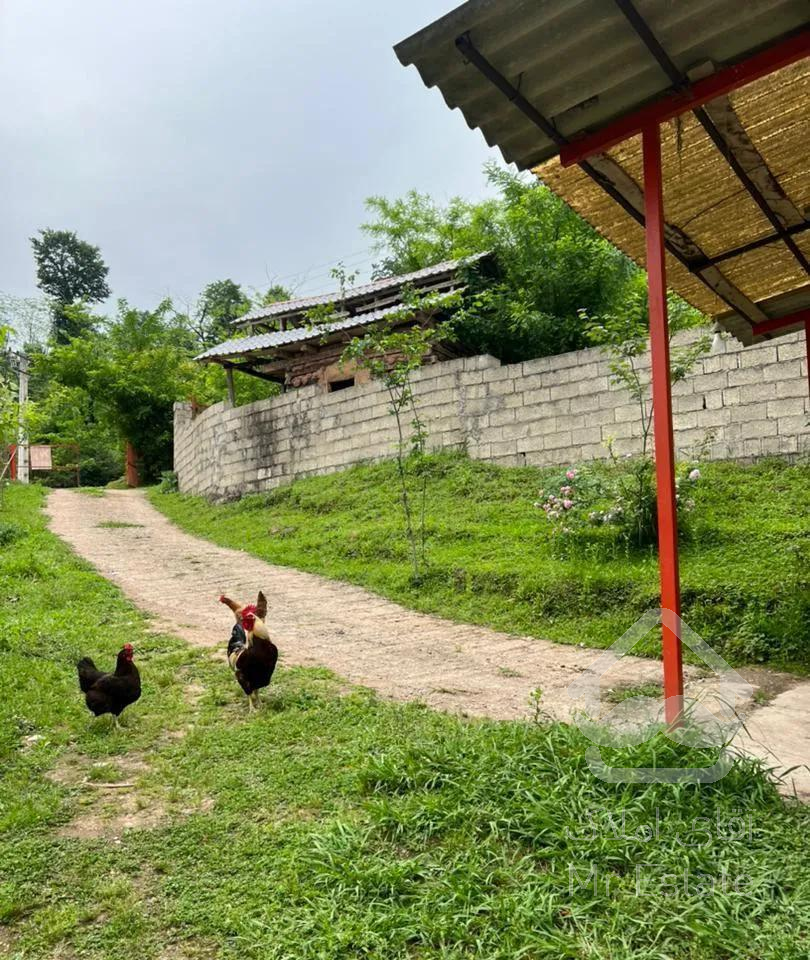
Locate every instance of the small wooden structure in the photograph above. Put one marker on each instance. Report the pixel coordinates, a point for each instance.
(282, 342)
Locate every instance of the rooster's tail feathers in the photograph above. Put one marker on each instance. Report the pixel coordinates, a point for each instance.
(88, 673)
(261, 606)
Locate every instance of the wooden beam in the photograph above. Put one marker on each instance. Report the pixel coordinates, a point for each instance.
(229, 382)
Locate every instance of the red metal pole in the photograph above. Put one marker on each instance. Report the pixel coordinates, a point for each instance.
(662, 423)
(778, 323)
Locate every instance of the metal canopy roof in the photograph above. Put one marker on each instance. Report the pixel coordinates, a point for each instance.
(539, 75)
(356, 298)
(577, 61)
(264, 342)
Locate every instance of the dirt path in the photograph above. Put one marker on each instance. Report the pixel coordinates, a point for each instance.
(177, 578)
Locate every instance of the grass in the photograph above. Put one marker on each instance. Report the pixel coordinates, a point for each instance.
(627, 693)
(117, 524)
(493, 560)
(334, 824)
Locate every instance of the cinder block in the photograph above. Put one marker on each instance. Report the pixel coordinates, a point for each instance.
(745, 375)
(791, 348)
(779, 446)
(794, 426)
(500, 417)
(709, 381)
(786, 407)
(753, 392)
(758, 355)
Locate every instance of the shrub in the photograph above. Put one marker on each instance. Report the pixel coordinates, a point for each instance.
(168, 482)
(9, 532)
(621, 495)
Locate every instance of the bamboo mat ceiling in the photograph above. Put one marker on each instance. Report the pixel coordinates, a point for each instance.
(704, 199)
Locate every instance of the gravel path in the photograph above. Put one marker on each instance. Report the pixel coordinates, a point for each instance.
(177, 578)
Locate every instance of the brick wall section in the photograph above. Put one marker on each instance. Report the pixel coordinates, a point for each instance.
(752, 402)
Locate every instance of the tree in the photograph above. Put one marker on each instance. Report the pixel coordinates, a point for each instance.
(220, 303)
(275, 293)
(552, 264)
(133, 371)
(70, 271)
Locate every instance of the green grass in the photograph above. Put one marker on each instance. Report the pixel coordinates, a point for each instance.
(745, 569)
(627, 693)
(336, 825)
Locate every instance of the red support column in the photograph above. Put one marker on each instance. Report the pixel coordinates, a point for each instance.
(662, 423)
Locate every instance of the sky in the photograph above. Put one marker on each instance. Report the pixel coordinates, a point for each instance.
(193, 141)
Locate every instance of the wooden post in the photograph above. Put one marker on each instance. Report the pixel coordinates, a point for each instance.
(23, 462)
(662, 424)
(231, 390)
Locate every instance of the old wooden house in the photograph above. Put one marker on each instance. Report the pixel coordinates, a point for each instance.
(301, 341)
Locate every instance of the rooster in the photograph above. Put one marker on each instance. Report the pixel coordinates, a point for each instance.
(110, 692)
(251, 653)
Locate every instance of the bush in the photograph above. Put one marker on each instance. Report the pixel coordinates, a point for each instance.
(168, 482)
(621, 495)
(9, 532)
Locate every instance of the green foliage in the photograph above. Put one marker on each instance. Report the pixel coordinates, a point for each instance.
(552, 264)
(70, 271)
(744, 569)
(220, 303)
(9, 412)
(168, 482)
(621, 494)
(334, 824)
(275, 293)
(9, 532)
(132, 372)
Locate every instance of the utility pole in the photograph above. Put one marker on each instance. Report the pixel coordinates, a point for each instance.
(23, 473)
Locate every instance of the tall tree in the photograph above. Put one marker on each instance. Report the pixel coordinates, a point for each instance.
(220, 303)
(70, 271)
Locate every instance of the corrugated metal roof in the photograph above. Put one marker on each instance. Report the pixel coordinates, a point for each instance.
(356, 295)
(267, 341)
(581, 64)
(577, 61)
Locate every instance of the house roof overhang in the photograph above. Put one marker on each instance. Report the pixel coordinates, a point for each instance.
(560, 82)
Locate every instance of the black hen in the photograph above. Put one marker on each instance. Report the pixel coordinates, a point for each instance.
(110, 692)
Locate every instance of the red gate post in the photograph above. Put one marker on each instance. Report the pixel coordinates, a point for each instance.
(133, 476)
(662, 424)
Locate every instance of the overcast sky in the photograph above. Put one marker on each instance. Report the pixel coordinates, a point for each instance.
(197, 139)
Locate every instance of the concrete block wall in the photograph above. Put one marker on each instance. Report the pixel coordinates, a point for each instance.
(740, 403)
